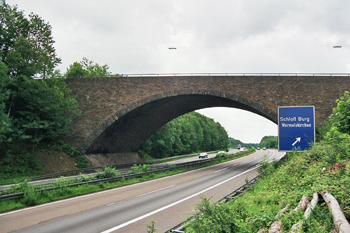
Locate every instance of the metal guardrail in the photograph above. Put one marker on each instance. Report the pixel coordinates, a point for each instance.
(166, 168)
(233, 74)
(93, 169)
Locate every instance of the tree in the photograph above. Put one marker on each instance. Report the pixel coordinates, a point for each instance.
(86, 68)
(5, 122)
(26, 43)
(340, 118)
(269, 142)
(188, 133)
(40, 109)
(76, 70)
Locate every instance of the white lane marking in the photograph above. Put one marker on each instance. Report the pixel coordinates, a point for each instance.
(144, 194)
(172, 204)
(106, 191)
(110, 190)
(220, 170)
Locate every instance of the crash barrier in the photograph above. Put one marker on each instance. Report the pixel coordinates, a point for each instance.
(93, 169)
(155, 169)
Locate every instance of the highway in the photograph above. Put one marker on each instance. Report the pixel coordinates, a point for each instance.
(168, 201)
(122, 170)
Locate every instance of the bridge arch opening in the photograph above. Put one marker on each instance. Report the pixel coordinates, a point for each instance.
(126, 130)
(241, 125)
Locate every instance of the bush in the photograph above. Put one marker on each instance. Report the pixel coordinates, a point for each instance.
(72, 151)
(264, 166)
(17, 161)
(221, 155)
(137, 169)
(108, 172)
(213, 217)
(30, 196)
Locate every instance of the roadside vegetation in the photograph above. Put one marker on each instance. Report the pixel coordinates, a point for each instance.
(323, 168)
(60, 189)
(37, 108)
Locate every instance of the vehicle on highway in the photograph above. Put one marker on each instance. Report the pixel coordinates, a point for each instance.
(258, 148)
(239, 146)
(264, 148)
(203, 155)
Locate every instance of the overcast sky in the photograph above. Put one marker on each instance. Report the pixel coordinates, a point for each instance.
(221, 36)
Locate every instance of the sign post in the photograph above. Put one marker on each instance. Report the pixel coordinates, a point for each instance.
(296, 128)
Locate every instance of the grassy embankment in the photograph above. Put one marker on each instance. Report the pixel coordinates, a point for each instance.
(31, 197)
(325, 167)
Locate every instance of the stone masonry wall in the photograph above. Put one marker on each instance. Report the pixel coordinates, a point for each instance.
(101, 98)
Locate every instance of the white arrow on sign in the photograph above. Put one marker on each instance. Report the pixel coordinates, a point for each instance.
(297, 140)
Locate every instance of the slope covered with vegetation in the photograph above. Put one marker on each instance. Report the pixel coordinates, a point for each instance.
(269, 142)
(323, 168)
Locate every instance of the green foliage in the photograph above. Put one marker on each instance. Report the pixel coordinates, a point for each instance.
(5, 122)
(86, 68)
(324, 167)
(67, 148)
(137, 169)
(108, 172)
(26, 43)
(234, 143)
(31, 110)
(84, 178)
(301, 173)
(221, 155)
(39, 109)
(264, 166)
(213, 218)
(186, 134)
(30, 197)
(269, 142)
(150, 227)
(72, 151)
(340, 117)
(17, 161)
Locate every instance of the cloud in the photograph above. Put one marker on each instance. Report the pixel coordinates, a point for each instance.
(240, 36)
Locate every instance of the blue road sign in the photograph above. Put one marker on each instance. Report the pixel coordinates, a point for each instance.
(296, 128)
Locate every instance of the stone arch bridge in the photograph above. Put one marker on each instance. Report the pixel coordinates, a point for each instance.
(120, 113)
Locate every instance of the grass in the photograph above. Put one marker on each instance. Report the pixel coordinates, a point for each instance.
(33, 198)
(66, 192)
(15, 180)
(325, 167)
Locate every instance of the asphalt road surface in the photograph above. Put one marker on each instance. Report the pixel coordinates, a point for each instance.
(195, 158)
(168, 201)
(123, 170)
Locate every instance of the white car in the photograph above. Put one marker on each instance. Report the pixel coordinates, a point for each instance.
(203, 155)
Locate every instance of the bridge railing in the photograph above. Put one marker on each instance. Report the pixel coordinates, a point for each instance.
(233, 74)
